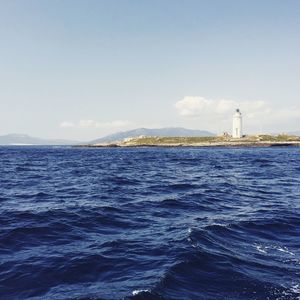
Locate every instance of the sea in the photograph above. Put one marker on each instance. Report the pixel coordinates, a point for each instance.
(149, 223)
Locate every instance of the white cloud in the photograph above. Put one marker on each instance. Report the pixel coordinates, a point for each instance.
(256, 113)
(96, 124)
(87, 123)
(192, 106)
(199, 106)
(66, 124)
(92, 124)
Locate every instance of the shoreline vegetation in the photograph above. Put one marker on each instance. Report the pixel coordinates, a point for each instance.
(215, 141)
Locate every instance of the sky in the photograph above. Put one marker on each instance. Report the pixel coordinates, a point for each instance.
(83, 69)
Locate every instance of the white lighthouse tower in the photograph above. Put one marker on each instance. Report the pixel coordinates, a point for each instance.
(237, 131)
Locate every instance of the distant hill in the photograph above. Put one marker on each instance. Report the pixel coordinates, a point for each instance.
(295, 133)
(24, 139)
(161, 132)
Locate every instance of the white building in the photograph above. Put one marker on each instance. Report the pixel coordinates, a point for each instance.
(237, 130)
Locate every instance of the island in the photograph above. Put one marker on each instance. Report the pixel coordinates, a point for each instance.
(262, 140)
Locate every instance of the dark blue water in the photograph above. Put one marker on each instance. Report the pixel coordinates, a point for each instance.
(149, 223)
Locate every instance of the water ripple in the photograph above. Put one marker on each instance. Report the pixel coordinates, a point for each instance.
(149, 223)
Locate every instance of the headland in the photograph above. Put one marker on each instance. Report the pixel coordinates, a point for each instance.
(217, 141)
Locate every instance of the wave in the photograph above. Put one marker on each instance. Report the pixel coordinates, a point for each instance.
(149, 223)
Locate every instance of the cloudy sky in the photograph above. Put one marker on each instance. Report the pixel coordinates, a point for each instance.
(83, 69)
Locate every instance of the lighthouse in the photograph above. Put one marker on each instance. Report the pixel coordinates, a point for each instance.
(237, 125)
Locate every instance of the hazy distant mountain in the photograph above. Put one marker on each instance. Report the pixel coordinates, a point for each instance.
(24, 139)
(295, 133)
(173, 131)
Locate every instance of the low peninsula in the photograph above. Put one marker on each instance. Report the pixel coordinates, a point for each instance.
(215, 141)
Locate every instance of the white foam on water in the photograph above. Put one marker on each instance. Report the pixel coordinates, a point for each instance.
(284, 250)
(136, 292)
(295, 288)
(293, 291)
(260, 248)
(220, 224)
(264, 249)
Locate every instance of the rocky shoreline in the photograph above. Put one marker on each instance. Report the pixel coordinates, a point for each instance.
(220, 141)
(229, 144)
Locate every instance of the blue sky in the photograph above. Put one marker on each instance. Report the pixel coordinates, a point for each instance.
(83, 69)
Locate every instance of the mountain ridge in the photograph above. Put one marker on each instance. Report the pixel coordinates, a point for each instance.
(161, 132)
(25, 139)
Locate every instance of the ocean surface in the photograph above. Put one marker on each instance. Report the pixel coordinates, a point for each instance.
(149, 223)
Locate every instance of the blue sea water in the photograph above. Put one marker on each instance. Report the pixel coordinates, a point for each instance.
(149, 223)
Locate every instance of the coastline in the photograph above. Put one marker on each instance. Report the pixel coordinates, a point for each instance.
(249, 141)
(208, 145)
